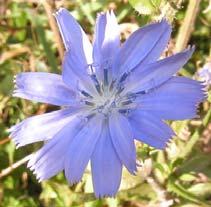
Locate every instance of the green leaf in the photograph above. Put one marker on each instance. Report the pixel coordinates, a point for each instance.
(146, 7)
(178, 126)
(175, 187)
(112, 202)
(201, 189)
(198, 163)
(56, 193)
(187, 177)
(6, 78)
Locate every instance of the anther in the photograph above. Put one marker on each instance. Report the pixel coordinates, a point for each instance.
(141, 92)
(86, 94)
(90, 116)
(89, 103)
(124, 111)
(123, 77)
(112, 85)
(132, 96)
(127, 102)
(96, 83)
(120, 89)
(91, 69)
(105, 76)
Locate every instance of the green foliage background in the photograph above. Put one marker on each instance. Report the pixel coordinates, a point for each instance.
(178, 176)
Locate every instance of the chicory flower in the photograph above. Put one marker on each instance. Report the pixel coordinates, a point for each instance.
(110, 94)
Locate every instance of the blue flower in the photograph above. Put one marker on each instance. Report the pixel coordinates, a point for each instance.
(110, 95)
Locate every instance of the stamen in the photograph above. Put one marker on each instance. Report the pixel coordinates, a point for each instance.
(127, 102)
(123, 77)
(89, 103)
(141, 92)
(105, 76)
(96, 83)
(124, 111)
(91, 69)
(86, 94)
(106, 67)
(100, 109)
(120, 83)
(113, 104)
(112, 85)
(90, 116)
(120, 89)
(98, 89)
(131, 96)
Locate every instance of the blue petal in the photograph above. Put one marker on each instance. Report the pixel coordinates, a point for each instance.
(106, 42)
(152, 75)
(122, 139)
(41, 127)
(81, 148)
(149, 129)
(180, 93)
(146, 43)
(106, 167)
(79, 49)
(43, 87)
(74, 37)
(159, 47)
(49, 160)
(75, 74)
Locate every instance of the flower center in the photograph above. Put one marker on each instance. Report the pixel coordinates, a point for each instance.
(109, 97)
(106, 103)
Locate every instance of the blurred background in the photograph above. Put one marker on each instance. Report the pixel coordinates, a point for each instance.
(29, 41)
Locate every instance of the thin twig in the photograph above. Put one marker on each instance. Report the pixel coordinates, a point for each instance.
(54, 28)
(13, 53)
(14, 166)
(4, 141)
(188, 25)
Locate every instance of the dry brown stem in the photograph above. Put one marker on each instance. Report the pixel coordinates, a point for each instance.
(52, 22)
(188, 25)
